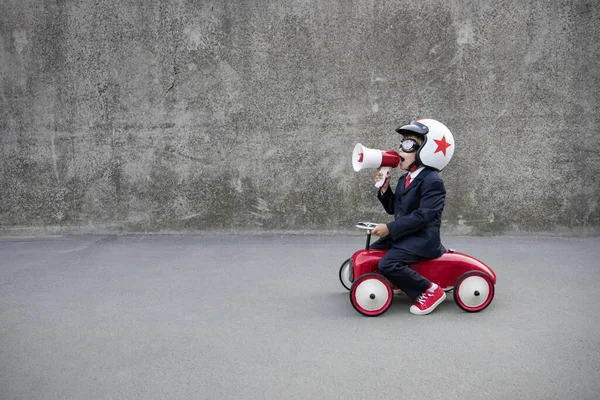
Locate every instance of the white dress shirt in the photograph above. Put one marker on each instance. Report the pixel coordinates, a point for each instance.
(413, 175)
(416, 172)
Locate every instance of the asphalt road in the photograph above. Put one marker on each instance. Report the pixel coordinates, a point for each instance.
(265, 317)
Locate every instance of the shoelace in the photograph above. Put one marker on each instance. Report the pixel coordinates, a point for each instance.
(423, 297)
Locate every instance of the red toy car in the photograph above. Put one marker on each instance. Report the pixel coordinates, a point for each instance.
(371, 294)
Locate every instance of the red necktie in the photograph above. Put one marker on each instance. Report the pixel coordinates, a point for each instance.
(407, 182)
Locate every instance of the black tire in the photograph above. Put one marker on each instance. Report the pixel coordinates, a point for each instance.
(346, 274)
(373, 299)
(480, 284)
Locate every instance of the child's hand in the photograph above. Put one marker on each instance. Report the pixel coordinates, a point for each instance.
(381, 230)
(378, 177)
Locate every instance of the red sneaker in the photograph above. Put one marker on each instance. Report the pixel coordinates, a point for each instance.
(428, 301)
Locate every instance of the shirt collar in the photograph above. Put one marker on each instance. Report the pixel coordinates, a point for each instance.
(416, 172)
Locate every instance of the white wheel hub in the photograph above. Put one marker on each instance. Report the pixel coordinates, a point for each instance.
(371, 294)
(474, 291)
(345, 274)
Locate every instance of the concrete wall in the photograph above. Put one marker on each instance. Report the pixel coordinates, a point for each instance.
(242, 115)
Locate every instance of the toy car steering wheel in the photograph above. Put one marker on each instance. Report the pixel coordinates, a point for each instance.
(366, 225)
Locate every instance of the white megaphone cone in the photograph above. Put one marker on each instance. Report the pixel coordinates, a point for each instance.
(363, 157)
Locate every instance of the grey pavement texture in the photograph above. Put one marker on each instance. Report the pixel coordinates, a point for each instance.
(265, 317)
(177, 115)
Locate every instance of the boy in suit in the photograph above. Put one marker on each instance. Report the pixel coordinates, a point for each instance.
(417, 204)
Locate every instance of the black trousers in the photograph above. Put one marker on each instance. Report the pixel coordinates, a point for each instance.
(395, 266)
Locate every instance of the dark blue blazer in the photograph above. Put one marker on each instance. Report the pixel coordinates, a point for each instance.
(417, 214)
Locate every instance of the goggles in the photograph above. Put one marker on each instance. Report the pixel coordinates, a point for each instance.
(409, 145)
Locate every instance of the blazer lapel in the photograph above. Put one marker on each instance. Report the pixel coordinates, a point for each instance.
(413, 183)
(402, 182)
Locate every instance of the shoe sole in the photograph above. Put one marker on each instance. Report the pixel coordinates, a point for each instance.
(430, 309)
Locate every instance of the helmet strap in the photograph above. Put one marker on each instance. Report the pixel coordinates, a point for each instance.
(413, 167)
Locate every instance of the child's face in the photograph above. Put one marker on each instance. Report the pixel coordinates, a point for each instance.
(406, 159)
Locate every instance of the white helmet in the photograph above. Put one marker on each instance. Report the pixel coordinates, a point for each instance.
(438, 143)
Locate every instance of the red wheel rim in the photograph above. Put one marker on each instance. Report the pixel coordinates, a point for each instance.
(478, 281)
(371, 284)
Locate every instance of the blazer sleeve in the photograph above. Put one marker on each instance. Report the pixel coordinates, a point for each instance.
(433, 196)
(387, 200)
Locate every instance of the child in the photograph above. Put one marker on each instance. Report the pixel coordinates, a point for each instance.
(426, 148)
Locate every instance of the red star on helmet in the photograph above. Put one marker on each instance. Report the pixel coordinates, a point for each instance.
(442, 145)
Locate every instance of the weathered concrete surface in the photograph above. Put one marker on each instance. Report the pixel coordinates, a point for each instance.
(265, 317)
(155, 115)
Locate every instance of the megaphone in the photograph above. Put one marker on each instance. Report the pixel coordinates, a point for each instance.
(363, 157)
